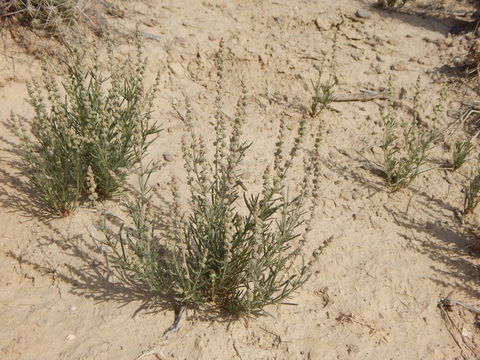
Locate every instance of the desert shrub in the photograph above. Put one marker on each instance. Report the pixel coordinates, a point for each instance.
(45, 15)
(407, 143)
(85, 139)
(234, 250)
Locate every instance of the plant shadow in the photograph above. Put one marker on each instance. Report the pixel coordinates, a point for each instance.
(435, 20)
(446, 242)
(445, 239)
(88, 268)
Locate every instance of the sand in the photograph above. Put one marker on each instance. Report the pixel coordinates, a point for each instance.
(392, 257)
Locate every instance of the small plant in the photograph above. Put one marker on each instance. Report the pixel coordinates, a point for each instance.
(461, 151)
(391, 3)
(323, 89)
(234, 250)
(89, 139)
(471, 196)
(405, 159)
(45, 15)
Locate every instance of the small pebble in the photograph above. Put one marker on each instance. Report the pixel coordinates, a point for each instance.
(73, 308)
(364, 14)
(70, 337)
(151, 36)
(168, 156)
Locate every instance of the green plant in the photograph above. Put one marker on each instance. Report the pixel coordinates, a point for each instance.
(404, 157)
(461, 151)
(323, 89)
(234, 250)
(471, 196)
(45, 15)
(86, 141)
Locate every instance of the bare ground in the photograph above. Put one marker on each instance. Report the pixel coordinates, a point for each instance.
(392, 256)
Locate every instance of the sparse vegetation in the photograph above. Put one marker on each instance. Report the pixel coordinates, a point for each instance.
(471, 194)
(234, 250)
(45, 15)
(84, 143)
(406, 154)
(461, 151)
(323, 88)
(391, 3)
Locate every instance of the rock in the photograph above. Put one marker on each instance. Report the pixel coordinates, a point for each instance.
(73, 308)
(351, 34)
(70, 337)
(176, 69)
(364, 14)
(168, 156)
(326, 22)
(322, 23)
(457, 61)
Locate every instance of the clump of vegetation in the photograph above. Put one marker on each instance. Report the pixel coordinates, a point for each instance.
(471, 194)
(391, 3)
(461, 151)
(324, 85)
(234, 250)
(84, 140)
(45, 15)
(406, 152)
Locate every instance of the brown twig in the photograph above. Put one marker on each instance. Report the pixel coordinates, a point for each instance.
(157, 353)
(359, 97)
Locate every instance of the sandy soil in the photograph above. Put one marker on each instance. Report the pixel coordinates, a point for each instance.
(374, 291)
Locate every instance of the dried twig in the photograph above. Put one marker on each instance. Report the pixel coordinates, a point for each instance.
(157, 353)
(448, 303)
(349, 318)
(359, 97)
(445, 305)
(176, 324)
(366, 95)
